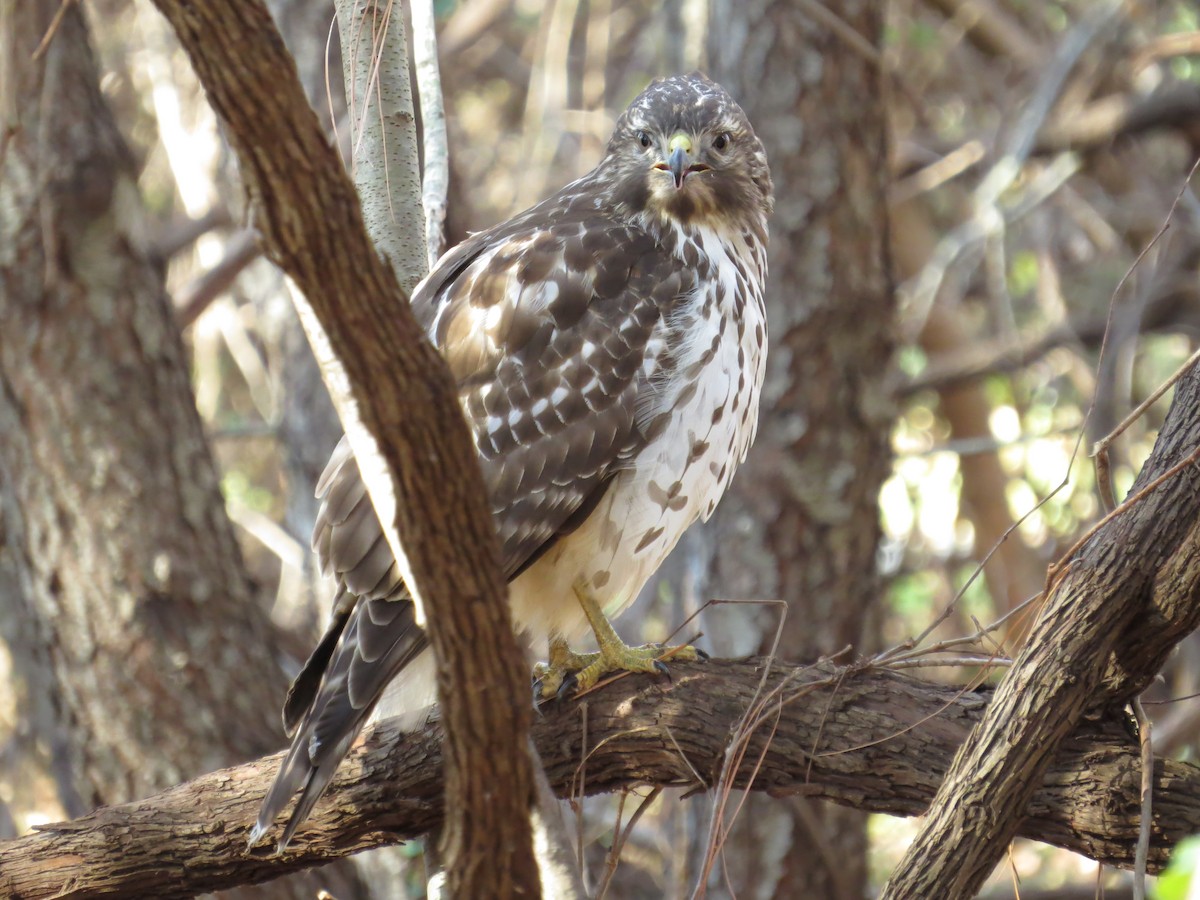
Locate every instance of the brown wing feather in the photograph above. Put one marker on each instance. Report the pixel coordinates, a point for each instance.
(549, 326)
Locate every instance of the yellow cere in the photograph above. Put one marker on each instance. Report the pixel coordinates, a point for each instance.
(680, 142)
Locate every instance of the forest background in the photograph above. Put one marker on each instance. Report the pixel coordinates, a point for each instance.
(972, 200)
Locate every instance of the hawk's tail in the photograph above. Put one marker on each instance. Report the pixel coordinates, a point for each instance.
(366, 645)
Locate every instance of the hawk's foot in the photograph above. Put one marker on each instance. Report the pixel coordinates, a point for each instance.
(566, 668)
(620, 657)
(567, 671)
(558, 674)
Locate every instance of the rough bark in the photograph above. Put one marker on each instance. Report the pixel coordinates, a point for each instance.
(136, 600)
(802, 521)
(404, 397)
(872, 739)
(132, 619)
(1117, 607)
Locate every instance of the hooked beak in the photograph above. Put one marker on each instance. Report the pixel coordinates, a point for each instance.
(677, 163)
(679, 160)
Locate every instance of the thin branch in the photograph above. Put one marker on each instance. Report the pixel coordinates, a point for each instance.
(1147, 790)
(241, 250)
(993, 30)
(177, 235)
(1100, 450)
(55, 24)
(621, 837)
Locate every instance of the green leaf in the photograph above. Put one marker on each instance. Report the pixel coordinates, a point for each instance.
(1173, 884)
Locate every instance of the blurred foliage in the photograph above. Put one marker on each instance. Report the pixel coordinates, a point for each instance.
(1182, 877)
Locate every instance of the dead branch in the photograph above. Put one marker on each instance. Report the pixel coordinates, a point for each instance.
(1100, 122)
(241, 250)
(867, 738)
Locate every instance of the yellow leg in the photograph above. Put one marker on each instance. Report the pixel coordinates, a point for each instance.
(614, 656)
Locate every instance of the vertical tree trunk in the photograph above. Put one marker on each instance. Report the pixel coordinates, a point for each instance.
(802, 522)
(133, 621)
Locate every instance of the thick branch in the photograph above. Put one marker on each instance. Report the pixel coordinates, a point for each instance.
(312, 227)
(1128, 595)
(874, 740)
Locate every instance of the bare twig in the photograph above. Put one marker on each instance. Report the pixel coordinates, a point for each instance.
(843, 30)
(994, 30)
(621, 836)
(1147, 808)
(937, 173)
(1100, 450)
(178, 235)
(241, 250)
(911, 649)
(289, 551)
(983, 662)
(1165, 46)
(1058, 569)
(55, 24)
(581, 779)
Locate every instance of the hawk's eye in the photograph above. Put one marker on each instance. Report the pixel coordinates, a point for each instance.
(721, 141)
(643, 138)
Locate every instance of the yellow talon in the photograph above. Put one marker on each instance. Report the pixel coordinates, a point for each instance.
(563, 661)
(614, 655)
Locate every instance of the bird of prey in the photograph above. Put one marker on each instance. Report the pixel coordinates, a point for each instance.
(608, 345)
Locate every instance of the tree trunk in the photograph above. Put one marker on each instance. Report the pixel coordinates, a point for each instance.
(134, 625)
(802, 524)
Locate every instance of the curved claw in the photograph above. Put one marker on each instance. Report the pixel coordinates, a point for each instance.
(568, 686)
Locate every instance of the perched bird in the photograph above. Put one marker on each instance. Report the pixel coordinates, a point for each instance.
(608, 345)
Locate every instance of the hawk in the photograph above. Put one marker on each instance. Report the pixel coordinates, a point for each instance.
(608, 346)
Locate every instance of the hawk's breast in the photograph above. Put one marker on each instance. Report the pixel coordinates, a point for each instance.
(705, 362)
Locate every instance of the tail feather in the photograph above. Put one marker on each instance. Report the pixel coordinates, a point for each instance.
(303, 691)
(350, 686)
(372, 635)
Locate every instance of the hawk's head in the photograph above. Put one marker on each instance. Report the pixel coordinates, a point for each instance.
(686, 151)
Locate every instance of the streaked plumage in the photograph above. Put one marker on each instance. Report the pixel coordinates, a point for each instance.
(609, 346)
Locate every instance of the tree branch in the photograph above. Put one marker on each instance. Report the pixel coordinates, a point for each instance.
(1113, 613)
(871, 739)
(402, 394)
(383, 132)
